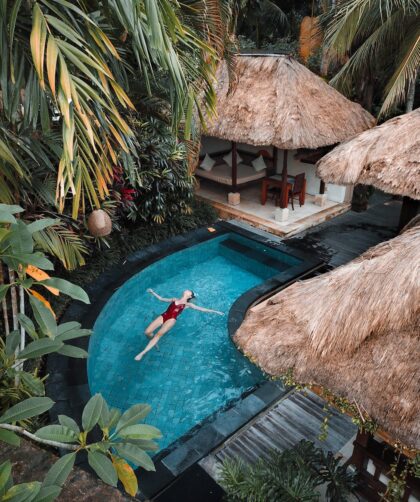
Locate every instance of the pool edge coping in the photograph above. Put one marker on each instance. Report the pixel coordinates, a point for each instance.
(68, 383)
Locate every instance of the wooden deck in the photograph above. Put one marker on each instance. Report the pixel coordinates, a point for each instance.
(297, 416)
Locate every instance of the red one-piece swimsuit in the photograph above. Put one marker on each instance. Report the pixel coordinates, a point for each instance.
(173, 311)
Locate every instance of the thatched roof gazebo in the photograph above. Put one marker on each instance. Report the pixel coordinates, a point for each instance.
(387, 157)
(276, 101)
(354, 331)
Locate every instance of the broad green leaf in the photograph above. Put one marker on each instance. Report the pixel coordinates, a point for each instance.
(67, 326)
(5, 474)
(135, 454)
(145, 444)
(75, 333)
(58, 433)
(28, 326)
(140, 431)
(3, 290)
(40, 347)
(72, 351)
(28, 408)
(37, 259)
(126, 475)
(132, 416)
(38, 225)
(92, 412)
(114, 416)
(66, 287)
(6, 217)
(59, 472)
(69, 422)
(33, 383)
(24, 492)
(48, 493)
(103, 467)
(20, 239)
(43, 317)
(10, 208)
(9, 437)
(12, 343)
(104, 416)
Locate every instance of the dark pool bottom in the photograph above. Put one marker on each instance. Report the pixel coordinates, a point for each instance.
(68, 383)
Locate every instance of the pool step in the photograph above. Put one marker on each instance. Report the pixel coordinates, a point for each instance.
(254, 254)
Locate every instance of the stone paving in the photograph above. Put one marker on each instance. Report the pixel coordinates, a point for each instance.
(30, 463)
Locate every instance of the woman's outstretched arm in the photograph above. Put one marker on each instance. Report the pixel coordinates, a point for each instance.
(202, 309)
(168, 300)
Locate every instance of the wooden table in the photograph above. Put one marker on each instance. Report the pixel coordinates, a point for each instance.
(276, 181)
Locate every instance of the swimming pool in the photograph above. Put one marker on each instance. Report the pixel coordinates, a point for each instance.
(197, 369)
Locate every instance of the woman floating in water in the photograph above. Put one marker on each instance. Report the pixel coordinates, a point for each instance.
(167, 320)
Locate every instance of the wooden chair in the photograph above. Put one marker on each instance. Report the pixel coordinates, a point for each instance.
(298, 187)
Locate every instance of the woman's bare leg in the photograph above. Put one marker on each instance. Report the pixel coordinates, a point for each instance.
(170, 323)
(157, 323)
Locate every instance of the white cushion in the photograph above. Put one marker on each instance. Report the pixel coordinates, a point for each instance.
(207, 163)
(228, 159)
(259, 164)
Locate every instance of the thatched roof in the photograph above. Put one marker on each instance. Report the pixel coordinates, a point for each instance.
(277, 101)
(354, 331)
(387, 156)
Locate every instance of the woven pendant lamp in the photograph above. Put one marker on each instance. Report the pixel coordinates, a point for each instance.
(99, 223)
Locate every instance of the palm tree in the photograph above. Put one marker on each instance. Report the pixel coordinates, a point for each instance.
(67, 70)
(382, 40)
(261, 19)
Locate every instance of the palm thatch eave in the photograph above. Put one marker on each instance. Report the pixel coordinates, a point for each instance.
(276, 101)
(387, 157)
(354, 331)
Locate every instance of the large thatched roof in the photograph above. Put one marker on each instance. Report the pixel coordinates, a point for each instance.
(354, 331)
(387, 156)
(277, 101)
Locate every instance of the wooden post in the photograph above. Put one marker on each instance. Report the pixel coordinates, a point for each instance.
(284, 195)
(234, 167)
(275, 159)
(322, 187)
(410, 208)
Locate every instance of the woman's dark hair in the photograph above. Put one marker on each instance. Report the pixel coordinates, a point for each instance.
(192, 296)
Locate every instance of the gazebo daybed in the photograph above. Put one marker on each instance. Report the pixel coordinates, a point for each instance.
(277, 102)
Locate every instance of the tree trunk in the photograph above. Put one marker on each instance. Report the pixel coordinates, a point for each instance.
(4, 305)
(411, 91)
(15, 310)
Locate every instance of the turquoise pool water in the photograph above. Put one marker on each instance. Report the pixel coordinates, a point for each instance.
(197, 370)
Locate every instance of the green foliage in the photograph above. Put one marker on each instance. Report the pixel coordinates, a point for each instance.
(66, 71)
(162, 185)
(107, 457)
(291, 475)
(382, 40)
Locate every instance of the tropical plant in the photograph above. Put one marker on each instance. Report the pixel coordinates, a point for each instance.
(164, 186)
(290, 475)
(382, 41)
(67, 69)
(22, 391)
(261, 20)
(123, 439)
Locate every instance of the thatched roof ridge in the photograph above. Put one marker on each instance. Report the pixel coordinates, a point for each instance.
(277, 101)
(387, 156)
(354, 331)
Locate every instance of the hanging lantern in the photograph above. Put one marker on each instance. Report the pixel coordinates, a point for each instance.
(99, 223)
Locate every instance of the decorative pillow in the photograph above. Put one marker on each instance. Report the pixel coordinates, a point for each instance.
(207, 163)
(259, 164)
(228, 159)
